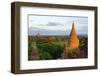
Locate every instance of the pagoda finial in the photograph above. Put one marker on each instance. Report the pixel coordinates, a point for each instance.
(73, 31)
(73, 26)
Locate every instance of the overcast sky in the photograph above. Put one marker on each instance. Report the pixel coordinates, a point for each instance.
(61, 25)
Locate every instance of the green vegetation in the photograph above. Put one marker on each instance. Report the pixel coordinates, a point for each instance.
(84, 46)
(52, 47)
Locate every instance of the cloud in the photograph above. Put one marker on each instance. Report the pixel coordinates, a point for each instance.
(54, 24)
(50, 24)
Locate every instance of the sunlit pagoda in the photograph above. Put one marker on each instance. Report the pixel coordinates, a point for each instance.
(73, 39)
(73, 43)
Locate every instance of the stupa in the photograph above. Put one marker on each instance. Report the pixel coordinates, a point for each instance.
(71, 50)
(35, 54)
(73, 39)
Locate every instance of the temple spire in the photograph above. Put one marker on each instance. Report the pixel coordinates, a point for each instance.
(71, 50)
(73, 31)
(73, 39)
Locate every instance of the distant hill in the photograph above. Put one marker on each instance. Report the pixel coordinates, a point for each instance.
(35, 31)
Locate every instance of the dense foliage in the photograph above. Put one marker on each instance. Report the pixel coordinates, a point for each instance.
(52, 47)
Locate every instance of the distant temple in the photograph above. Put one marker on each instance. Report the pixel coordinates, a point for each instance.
(38, 34)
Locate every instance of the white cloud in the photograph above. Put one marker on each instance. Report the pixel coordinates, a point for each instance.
(58, 27)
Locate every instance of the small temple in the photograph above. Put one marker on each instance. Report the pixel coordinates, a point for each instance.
(35, 53)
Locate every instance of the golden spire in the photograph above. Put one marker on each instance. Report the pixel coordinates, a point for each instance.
(73, 40)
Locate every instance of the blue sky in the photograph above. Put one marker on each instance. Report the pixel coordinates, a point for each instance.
(56, 25)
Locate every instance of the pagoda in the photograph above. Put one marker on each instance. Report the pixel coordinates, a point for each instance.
(73, 39)
(35, 53)
(73, 44)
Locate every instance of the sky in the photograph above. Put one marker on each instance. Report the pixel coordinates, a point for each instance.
(56, 25)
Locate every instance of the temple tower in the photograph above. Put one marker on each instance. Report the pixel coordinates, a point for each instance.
(73, 39)
(35, 53)
(71, 50)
